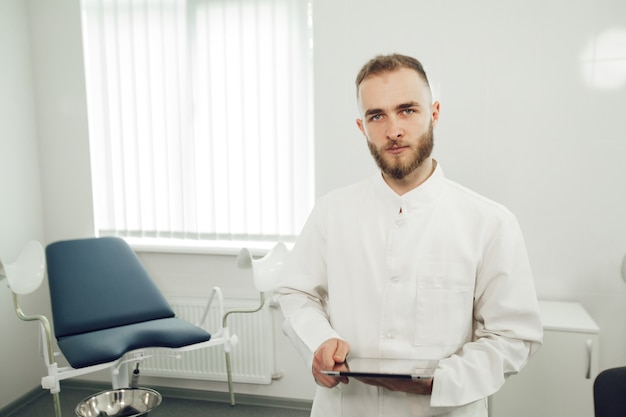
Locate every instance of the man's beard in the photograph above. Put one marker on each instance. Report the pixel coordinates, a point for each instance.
(397, 169)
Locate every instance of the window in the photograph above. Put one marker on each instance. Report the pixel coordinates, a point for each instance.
(200, 117)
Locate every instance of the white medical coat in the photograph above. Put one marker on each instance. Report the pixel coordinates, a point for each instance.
(438, 273)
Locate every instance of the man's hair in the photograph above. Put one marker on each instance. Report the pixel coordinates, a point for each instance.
(383, 64)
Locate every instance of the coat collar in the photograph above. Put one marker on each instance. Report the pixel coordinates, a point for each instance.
(420, 197)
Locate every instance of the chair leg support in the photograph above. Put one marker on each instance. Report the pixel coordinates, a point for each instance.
(229, 374)
(48, 382)
(57, 404)
(120, 376)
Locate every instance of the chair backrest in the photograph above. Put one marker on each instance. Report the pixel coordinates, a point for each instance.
(99, 283)
(609, 393)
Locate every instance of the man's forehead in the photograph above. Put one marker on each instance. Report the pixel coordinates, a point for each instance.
(393, 89)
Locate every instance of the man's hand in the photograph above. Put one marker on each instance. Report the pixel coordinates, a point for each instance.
(422, 386)
(331, 355)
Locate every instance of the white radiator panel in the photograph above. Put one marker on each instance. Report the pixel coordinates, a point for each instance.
(252, 359)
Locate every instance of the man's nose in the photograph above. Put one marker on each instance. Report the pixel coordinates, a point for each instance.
(394, 130)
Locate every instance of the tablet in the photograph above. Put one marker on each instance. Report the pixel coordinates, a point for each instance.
(414, 369)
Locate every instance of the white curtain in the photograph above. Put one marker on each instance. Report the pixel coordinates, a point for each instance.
(200, 117)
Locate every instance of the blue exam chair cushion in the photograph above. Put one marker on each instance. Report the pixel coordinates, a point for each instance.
(100, 283)
(110, 344)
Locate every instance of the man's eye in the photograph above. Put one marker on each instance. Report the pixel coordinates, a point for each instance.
(376, 117)
(408, 111)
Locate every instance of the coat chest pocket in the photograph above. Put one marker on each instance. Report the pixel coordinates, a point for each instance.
(443, 312)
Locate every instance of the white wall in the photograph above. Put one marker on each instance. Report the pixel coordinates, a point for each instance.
(521, 123)
(56, 46)
(21, 216)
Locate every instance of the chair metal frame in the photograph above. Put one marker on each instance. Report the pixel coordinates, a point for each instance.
(265, 272)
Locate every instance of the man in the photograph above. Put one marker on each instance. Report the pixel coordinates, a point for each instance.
(408, 264)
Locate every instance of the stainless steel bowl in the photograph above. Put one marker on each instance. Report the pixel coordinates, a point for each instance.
(125, 402)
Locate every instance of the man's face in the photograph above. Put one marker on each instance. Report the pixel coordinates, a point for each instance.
(397, 120)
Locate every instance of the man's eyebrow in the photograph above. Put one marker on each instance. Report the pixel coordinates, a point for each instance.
(371, 112)
(407, 105)
(402, 106)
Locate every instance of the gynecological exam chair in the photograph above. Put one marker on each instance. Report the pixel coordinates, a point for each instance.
(106, 311)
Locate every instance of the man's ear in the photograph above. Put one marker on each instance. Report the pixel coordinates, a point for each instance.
(435, 109)
(359, 123)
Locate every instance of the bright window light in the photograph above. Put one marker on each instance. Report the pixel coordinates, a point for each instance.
(200, 117)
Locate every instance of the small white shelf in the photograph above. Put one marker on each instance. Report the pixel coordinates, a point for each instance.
(566, 316)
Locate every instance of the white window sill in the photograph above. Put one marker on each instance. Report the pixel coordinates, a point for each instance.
(204, 247)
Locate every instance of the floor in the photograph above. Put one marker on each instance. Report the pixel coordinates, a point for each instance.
(41, 405)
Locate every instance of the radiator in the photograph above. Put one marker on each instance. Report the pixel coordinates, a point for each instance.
(252, 359)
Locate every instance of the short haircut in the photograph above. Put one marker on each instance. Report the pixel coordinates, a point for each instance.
(383, 64)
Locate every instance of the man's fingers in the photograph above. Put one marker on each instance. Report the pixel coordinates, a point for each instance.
(341, 352)
(327, 357)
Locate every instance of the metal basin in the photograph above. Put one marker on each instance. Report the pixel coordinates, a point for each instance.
(125, 402)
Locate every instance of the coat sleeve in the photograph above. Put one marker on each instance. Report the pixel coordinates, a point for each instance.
(304, 291)
(507, 324)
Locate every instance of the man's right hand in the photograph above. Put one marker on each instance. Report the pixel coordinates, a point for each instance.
(331, 355)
